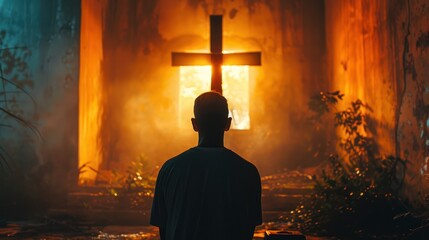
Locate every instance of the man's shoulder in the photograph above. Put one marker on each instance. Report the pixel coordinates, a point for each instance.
(178, 158)
(227, 155)
(244, 164)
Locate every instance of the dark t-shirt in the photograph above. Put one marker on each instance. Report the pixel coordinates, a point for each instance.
(207, 193)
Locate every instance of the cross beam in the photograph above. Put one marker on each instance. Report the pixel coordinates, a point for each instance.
(216, 58)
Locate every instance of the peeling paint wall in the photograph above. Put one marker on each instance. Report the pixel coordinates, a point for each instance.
(377, 52)
(413, 89)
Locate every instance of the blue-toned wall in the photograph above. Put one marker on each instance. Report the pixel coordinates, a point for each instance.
(39, 46)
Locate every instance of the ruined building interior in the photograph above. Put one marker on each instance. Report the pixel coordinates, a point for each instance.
(92, 103)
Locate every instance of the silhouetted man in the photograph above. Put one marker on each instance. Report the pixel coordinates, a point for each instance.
(207, 192)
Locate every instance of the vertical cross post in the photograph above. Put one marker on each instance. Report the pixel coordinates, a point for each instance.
(216, 50)
(216, 58)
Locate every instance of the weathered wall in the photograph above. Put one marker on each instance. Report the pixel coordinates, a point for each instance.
(378, 52)
(140, 104)
(140, 95)
(375, 50)
(45, 64)
(411, 31)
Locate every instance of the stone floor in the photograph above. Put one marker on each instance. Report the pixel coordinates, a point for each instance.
(29, 230)
(281, 193)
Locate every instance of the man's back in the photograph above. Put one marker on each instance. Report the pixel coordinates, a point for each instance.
(207, 193)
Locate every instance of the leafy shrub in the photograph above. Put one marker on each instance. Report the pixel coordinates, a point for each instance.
(133, 189)
(359, 192)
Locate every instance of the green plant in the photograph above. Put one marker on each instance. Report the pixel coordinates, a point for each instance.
(322, 103)
(140, 176)
(317, 144)
(359, 192)
(133, 189)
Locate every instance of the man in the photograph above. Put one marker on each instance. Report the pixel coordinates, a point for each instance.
(207, 192)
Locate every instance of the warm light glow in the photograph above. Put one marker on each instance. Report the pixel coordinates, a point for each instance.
(90, 90)
(195, 80)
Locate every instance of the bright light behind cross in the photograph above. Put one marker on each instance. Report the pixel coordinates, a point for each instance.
(195, 80)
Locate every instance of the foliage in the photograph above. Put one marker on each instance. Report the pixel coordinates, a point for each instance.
(353, 201)
(140, 176)
(322, 103)
(317, 144)
(133, 189)
(359, 192)
(13, 63)
(21, 191)
(138, 185)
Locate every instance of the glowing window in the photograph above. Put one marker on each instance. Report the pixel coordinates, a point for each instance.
(195, 80)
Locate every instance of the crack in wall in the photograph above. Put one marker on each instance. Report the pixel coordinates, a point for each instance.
(405, 69)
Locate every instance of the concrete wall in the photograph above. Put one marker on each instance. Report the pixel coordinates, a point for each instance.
(373, 50)
(140, 96)
(47, 68)
(378, 52)
(141, 88)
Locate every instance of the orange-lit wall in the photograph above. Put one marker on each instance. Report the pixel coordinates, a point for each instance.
(139, 100)
(378, 52)
(90, 89)
(361, 60)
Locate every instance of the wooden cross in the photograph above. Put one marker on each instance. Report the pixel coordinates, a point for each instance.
(216, 58)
